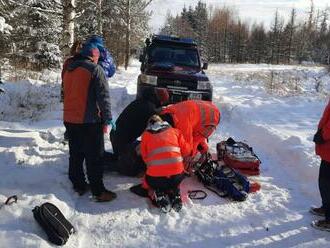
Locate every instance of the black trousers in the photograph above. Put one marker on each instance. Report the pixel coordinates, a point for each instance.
(128, 163)
(165, 184)
(86, 143)
(324, 186)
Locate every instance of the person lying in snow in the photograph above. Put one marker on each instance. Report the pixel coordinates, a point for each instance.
(129, 126)
(196, 119)
(322, 148)
(163, 149)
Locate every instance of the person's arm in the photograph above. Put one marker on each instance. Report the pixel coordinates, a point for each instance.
(185, 147)
(102, 93)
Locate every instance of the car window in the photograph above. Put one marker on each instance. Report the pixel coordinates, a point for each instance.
(175, 55)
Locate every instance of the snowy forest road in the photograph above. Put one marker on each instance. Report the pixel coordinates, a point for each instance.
(33, 165)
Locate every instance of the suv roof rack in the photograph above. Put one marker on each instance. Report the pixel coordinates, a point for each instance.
(174, 39)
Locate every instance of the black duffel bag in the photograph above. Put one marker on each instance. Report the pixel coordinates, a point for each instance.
(53, 222)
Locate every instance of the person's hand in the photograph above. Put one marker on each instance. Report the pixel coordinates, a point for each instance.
(105, 128)
(111, 123)
(202, 147)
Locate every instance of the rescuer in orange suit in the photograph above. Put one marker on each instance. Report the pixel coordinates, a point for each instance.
(196, 119)
(163, 149)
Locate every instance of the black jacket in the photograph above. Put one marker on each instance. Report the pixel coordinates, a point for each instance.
(133, 120)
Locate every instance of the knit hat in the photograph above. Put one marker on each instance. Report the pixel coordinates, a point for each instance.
(90, 50)
(162, 95)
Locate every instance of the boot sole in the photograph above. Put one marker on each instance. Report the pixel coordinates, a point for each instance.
(313, 224)
(316, 213)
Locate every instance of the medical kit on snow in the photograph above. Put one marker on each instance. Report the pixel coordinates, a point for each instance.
(239, 156)
(53, 222)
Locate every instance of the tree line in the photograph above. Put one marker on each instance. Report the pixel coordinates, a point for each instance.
(225, 38)
(39, 33)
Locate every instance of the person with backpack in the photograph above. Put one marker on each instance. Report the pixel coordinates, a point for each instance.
(74, 50)
(129, 126)
(163, 149)
(86, 110)
(322, 149)
(196, 119)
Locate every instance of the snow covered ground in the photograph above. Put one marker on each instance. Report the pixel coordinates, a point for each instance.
(278, 119)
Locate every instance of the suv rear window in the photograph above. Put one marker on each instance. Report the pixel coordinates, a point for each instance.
(180, 56)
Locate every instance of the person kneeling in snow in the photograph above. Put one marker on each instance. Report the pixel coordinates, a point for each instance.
(129, 126)
(163, 149)
(322, 148)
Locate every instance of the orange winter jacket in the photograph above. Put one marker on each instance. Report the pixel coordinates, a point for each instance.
(86, 92)
(196, 119)
(163, 152)
(323, 150)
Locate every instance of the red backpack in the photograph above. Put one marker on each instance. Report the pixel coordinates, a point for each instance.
(240, 156)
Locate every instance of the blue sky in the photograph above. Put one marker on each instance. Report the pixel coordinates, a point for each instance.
(250, 10)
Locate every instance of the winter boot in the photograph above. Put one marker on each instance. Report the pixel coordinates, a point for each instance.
(105, 196)
(323, 225)
(139, 190)
(317, 211)
(176, 200)
(162, 201)
(81, 190)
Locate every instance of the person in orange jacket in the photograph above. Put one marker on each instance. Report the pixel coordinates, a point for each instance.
(322, 149)
(163, 149)
(196, 119)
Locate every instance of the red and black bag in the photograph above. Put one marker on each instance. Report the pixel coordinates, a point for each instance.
(239, 156)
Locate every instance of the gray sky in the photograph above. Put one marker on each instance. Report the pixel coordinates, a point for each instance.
(250, 10)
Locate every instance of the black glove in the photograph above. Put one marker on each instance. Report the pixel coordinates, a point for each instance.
(318, 139)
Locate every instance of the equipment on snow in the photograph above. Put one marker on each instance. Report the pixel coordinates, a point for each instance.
(10, 200)
(53, 222)
(223, 180)
(239, 156)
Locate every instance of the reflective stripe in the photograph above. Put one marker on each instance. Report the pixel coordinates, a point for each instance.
(203, 113)
(212, 116)
(164, 161)
(164, 149)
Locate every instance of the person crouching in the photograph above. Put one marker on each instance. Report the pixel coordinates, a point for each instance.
(163, 149)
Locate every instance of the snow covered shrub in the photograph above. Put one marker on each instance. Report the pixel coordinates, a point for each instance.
(27, 100)
(48, 55)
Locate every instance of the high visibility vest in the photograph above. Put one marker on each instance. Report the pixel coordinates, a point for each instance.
(162, 153)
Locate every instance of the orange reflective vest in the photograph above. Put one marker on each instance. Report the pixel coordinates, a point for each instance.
(323, 150)
(196, 119)
(163, 152)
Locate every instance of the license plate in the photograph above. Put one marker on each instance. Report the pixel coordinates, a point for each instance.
(195, 96)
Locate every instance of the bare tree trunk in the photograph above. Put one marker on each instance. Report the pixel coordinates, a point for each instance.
(69, 14)
(99, 17)
(128, 33)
